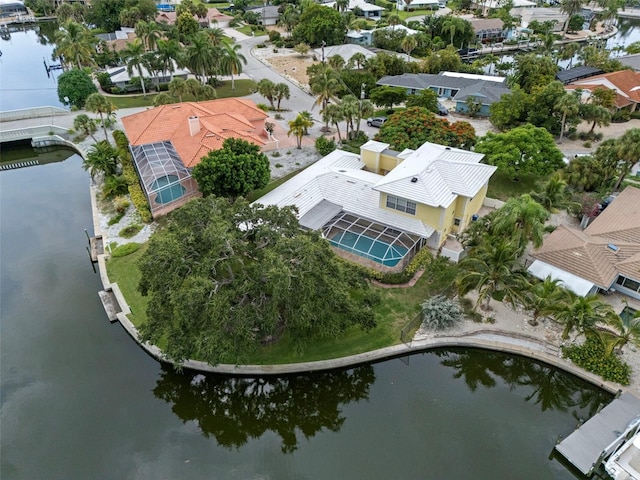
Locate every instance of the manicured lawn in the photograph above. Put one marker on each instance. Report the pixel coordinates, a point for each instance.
(247, 31)
(243, 88)
(397, 307)
(503, 188)
(413, 13)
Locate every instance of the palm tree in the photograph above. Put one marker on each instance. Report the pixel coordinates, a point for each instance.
(216, 35)
(101, 105)
(333, 114)
(298, 128)
(409, 43)
(570, 7)
(628, 151)
(266, 88)
(350, 107)
(232, 60)
(553, 195)
(325, 86)
(542, 295)
(581, 313)
(336, 62)
(101, 158)
(178, 88)
(84, 124)
(492, 268)
(522, 220)
(149, 33)
(568, 51)
(393, 20)
(167, 52)
(134, 57)
(626, 330)
(342, 5)
(569, 106)
(201, 56)
(75, 44)
(280, 91)
(358, 59)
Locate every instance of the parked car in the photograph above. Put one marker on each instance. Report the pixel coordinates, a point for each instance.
(442, 110)
(376, 121)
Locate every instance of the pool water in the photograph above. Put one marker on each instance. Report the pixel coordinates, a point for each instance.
(370, 248)
(167, 188)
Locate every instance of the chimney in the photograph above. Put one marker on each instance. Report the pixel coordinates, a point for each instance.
(194, 125)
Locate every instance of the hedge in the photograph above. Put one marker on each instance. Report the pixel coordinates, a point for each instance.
(591, 357)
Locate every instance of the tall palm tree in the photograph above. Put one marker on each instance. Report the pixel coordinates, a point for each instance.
(75, 44)
(178, 88)
(542, 295)
(134, 56)
(333, 114)
(325, 87)
(450, 25)
(201, 56)
(167, 54)
(281, 91)
(149, 33)
(409, 43)
(266, 88)
(342, 5)
(216, 35)
(628, 151)
(358, 59)
(571, 8)
(232, 60)
(492, 268)
(553, 195)
(522, 220)
(625, 330)
(101, 158)
(85, 124)
(101, 105)
(298, 127)
(581, 313)
(569, 106)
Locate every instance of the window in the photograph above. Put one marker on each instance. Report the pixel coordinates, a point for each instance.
(401, 205)
(456, 222)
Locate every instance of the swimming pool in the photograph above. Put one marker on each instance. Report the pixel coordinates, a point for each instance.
(168, 189)
(370, 248)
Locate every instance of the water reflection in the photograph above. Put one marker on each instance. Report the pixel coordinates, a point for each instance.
(550, 388)
(234, 410)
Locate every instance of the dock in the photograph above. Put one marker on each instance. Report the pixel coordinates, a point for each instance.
(96, 247)
(592, 443)
(110, 304)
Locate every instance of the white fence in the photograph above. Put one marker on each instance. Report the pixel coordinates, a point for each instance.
(35, 112)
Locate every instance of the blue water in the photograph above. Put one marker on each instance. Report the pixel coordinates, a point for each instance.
(370, 248)
(171, 192)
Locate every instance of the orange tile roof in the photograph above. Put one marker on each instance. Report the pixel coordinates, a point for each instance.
(587, 253)
(219, 120)
(626, 81)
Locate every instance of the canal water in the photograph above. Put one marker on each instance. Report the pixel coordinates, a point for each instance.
(80, 400)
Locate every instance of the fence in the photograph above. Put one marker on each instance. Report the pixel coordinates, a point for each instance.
(35, 112)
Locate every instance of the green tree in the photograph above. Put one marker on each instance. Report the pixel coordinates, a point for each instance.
(511, 110)
(542, 295)
(533, 70)
(135, 58)
(105, 14)
(426, 98)
(521, 219)
(167, 53)
(266, 88)
(358, 59)
(281, 91)
(525, 149)
(233, 171)
(201, 56)
(298, 127)
(149, 33)
(409, 44)
(625, 330)
(581, 313)
(333, 114)
(101, 105)
(628, 151)
(82, 123)
(232, 61)
(319, 24)
(74, 86)
(101, 158)
(178, 88)
(325, 87)
(187, 26)
(75, 44)
(554, 195)
(386, 96)
(225, 278)
(493, 270)
(570, 7)
(569, 107)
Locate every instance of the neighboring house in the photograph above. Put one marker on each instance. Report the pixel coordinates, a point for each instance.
(369, 10)
(346, 51)
(267, 14)
(631, 61)
(365, 37)
(196, 128)
(605, 256)
(118, 40)
(626, 84)
(404, 5)
(488, 6)
(541, 15)
(121, 78)
(167, 141)
(12, 8)
(577, 73)
(488, 29)
(383, 205)
(213, 19)
(485, 89)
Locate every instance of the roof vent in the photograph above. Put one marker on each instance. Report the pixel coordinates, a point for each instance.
(414, 180)
(613, 248)
(447, 148)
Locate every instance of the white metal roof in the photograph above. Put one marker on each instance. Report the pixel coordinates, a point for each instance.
(441, 174)
(576, 284)
(120, 74)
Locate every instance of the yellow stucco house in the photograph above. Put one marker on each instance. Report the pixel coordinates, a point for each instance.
(384, 205)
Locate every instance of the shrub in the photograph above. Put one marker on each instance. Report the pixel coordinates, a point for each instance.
(263, 106)
(275, 154)
(587, 144)
(261, 45)
(279, 165)
(620, 116)
(115, 185)
(121, 204)
(130, 230)
(274, 35)
(325, 146)
(115, 219)
(124, 250)
(440, 313)
(279, 44)
(278, 116)
(591, 357)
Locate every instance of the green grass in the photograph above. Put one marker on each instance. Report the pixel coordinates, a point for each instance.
(247, 31)
(503, 188)
(397, 307)
(124, 271)
(413, 13)
(244, 87)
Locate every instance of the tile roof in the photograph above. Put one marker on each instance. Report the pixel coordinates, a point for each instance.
(626, 83)
(442, 174)
(607, 247)
(218, 119)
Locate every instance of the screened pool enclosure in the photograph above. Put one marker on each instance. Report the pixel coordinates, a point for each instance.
(166, 181)
(382, 244)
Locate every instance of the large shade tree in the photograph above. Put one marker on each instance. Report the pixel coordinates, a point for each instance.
(75, 44)
(225, 278)
(74, 86)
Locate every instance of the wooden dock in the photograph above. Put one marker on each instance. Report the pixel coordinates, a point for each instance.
(589, 446)
(96, 247)
(110, 304)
